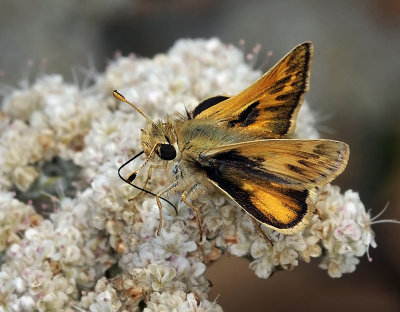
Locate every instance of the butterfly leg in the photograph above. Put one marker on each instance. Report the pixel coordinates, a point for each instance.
(168, 188)
(189, 192)
(258, 227)
(151, 167)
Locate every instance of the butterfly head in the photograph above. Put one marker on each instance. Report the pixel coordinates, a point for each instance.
(160, 138)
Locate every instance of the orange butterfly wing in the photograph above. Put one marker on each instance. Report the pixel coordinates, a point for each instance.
(275, 180)
(268, 108)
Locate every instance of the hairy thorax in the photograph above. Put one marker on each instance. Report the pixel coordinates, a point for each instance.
(190, 138)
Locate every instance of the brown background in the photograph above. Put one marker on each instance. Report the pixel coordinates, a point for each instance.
(355, 87)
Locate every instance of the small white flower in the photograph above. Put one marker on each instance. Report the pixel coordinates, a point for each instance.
(172, 244)
(163, 276)
(192, 304)
(106, 302)
(242, 247)
(27, 303)
(165, 301)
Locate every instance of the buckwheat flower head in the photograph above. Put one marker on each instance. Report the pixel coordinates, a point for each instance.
(73, 236)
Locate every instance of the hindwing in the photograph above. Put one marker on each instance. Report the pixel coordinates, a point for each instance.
(275, 180)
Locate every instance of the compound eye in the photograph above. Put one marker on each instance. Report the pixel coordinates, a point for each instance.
(167, 152)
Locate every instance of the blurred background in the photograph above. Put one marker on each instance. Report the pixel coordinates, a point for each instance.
(355, 89)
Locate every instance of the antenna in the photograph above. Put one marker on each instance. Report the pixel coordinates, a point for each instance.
(120, 97)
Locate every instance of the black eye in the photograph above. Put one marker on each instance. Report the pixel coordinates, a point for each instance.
(167, 152)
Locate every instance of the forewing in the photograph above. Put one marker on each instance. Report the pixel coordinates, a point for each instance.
(268, 108)
(275, 180)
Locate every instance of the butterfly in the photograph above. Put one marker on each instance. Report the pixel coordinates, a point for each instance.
(241, 146)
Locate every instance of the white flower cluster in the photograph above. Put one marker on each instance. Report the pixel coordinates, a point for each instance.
(343, 228)
(97, 251)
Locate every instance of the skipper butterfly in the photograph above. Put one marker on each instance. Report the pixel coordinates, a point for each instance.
(241, 146)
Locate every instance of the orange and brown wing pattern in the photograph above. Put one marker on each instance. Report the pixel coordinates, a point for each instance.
(275, 180)
(268, 108)
(295, 162)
